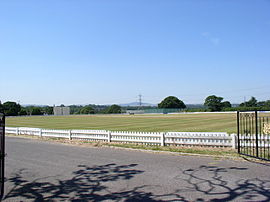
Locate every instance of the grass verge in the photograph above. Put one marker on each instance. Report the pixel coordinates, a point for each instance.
(221, 152)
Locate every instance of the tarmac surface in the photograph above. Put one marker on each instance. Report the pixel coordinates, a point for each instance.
(46, 171)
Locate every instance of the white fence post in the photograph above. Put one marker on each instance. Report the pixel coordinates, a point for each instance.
(162, 138)
(40, 132)
(69, 135)
(234, 141)
(109, 136)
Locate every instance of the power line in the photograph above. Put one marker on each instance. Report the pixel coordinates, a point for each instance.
(140, 100)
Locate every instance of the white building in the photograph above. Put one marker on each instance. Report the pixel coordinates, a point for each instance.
(61, 111)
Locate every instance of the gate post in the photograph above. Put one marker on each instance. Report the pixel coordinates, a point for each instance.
(238, 131)
(256, 133)
(2, 154)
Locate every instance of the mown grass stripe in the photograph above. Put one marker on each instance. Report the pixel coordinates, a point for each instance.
(146, 123)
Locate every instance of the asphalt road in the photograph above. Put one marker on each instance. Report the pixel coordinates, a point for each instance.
(46, 171)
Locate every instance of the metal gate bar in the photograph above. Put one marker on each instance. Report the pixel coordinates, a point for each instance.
(253, 132)
(2, 154)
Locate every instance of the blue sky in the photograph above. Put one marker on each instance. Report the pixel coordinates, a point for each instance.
(110, 51)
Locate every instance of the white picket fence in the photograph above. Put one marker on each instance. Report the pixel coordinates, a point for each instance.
(250, 140)
(219, 139)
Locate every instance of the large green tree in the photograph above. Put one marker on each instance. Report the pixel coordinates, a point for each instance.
(23, 112)
(1, 108)
(87, 110)
(11, 108)
(113, 109)
(36, 111)
(214, 103)
(172, 102)
(47, 110)
(251, 103)
(226, 104)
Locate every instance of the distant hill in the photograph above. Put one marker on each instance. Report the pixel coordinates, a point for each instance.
(135, 104)
(33, 105)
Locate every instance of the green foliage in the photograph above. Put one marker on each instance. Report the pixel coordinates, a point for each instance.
(76, 109)
(11, 108)
(47, 110)
(251, 103)
(113, 109)
(265, 104)
(36, 111)
(264, 108)
(23, 112)
(226, 104)
(87, 110)
(172, 102)
(215, 103)
(1, 108)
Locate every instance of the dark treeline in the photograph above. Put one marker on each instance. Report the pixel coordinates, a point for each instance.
(14, 109)
(95, 109)
(87, 109)
(212, 103)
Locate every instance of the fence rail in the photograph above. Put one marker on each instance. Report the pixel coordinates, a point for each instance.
(219, 139)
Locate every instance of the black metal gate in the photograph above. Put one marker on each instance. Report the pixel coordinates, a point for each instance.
(253, 129)
(2, 154)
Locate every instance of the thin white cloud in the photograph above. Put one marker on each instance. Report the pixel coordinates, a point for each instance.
(205, 34)
(214, 40)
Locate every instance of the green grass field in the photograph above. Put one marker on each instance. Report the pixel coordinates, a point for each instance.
(148, 123)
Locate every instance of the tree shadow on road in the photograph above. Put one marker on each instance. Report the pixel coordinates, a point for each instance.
(86, 184)
(210, 183)
(99, 183)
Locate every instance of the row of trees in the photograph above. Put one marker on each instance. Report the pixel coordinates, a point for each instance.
(215, 103)
(211, 103)
(15, 109)
(113, 109)
(10, 108)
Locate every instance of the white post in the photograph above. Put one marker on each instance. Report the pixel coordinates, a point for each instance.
(40, 132)
(162, 139)
(234, 141)
(69, 135)
(17, 131)
(109, 136)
